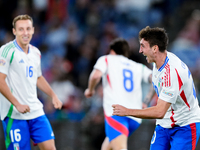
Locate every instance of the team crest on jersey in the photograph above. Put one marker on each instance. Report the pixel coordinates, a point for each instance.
(168, 93)
(2, 62)
(16, 146)
(160, 82)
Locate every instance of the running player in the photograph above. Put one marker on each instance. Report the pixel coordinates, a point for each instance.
(122, 84)
(20, 75)
(177, 110)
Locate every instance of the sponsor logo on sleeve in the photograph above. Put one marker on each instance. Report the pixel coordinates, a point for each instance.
(2, 62)
(168, 93)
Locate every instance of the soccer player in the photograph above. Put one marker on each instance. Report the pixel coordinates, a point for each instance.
(177, 110)
(20, 74)
(122, 84)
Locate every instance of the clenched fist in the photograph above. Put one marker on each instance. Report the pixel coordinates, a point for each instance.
(120, 110)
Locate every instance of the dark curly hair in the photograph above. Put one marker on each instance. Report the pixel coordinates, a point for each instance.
(155, 36)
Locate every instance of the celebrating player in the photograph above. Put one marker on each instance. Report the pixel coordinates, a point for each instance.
(20, 75)
(177, 110)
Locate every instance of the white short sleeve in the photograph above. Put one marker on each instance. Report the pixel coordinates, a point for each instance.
(101, 64)
(6, 54)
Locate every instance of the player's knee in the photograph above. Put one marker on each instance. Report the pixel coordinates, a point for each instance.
(105, 145)
(48, 148)
(47, 145)
(118, 146)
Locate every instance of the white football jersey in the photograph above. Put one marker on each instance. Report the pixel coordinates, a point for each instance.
(22, 71)
(173, 83)
(122, 82)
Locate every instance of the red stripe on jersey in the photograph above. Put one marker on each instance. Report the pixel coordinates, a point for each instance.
(117, 126)
(182, 94)
(167, 79)
(194, 136)
(179, 80)
(172, 118)
(108, 77)
(184, 98)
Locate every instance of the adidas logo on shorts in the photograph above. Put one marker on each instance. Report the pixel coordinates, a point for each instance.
(52, 134)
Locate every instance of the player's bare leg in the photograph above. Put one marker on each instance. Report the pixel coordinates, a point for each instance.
(47, 145)
(119, 143)
(105, 145)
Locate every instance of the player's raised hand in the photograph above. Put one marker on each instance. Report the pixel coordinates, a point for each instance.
(56, 102)
(119, 110)
(23, 108)
(89, 93)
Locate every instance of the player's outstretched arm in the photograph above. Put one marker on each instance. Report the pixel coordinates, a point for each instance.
(155, 112)
(44, 86)
(94, 79)
(4, 89)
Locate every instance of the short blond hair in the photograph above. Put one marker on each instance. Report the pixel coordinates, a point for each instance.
(21, 17)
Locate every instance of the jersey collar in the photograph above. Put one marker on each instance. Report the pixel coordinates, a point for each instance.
(18, 47)
(163, 66)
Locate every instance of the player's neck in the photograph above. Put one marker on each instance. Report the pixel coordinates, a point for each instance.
(112, 52)
(160, 59)
(24, 47)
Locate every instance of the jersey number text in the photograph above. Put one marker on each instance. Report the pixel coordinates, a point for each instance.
(128, 80)
(29, 71)
(15, 135)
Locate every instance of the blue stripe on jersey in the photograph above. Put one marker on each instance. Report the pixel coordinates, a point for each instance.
(189, 73)
(18, 47)
(155, 88)
(194, 92)
(163, 66)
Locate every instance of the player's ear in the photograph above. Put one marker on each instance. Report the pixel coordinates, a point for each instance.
(155, 48)
(14, 31)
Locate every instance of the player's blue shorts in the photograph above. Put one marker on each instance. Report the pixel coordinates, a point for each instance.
(117, 125)
(176, 138)
(17, 133)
